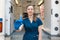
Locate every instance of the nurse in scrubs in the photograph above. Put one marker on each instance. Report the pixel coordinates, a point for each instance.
(32, 25)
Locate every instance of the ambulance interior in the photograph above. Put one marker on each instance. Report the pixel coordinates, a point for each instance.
(14, 12)
(17, 8)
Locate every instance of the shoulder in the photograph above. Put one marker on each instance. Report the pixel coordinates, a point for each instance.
(24, 20)
(39, 22)
(38, 19)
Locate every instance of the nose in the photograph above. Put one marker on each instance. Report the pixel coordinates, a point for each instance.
(30, 10)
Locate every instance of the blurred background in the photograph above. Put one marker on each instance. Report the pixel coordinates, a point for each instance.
(14, 11)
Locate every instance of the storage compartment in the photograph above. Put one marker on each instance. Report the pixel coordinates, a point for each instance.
(0, 25)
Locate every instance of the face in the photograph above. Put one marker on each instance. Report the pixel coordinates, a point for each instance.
(30, 10)
(41, 9)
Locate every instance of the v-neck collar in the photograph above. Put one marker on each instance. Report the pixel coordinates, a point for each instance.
(30, 21)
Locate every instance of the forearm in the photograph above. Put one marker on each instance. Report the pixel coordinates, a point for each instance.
(40, 32)
(40, 36)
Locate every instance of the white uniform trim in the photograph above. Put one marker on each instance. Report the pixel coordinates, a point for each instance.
(21, 27)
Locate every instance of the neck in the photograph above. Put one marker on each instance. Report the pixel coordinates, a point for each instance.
(30, 16)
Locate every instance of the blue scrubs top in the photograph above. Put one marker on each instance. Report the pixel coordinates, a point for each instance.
(31, 29)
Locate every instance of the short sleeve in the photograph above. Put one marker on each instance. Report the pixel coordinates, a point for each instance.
(39, 22)
(17, 23)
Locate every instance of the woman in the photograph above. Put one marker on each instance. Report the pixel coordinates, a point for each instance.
(32, 25)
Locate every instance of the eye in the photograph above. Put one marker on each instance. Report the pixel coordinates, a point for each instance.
(28, 9)
(31, 9)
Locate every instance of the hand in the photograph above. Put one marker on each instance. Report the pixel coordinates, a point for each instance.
(17, 31)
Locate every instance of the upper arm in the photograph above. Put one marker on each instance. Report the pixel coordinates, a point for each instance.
(40, 28)
(40, 25)
(39, 22)
(21, 27)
